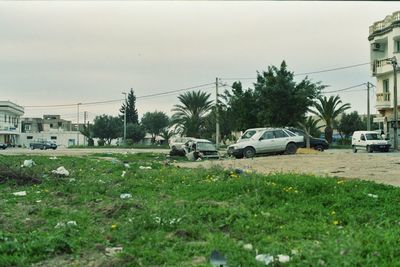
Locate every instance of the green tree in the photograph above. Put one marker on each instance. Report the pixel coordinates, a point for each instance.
(154, 123)
(130, 106)
(190, 114)
(135, 132)
(279, 100)
(328, 109)
(107, 128)
(310, 128)
(240, 108)
(88, 133)
(349, 123)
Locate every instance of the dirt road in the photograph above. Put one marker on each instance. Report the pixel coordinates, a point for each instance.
(378, 167)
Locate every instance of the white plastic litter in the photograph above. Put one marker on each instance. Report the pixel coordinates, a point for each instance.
(72, 180)
(53, 158)
(283, 258)
(61, 171)
(21, 193)
(373, 196)
(267, 259)
(28, 163)
(72, 223)
(145, 167)
(248, 247)
(123, 173)
(59, 225)
(112, 251)
(127, 165)
(124, 196)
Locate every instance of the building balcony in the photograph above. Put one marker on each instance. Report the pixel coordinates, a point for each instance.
(383, 100)
(382, 66)
(384, 24)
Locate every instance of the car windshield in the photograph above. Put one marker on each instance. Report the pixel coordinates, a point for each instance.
(373, 136)
(248, 134)
(206, 146)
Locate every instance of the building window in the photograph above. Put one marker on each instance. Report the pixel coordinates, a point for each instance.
(53, 137)
(51, 125)
(29, 137)
(386, 86)
(397, 46)
(59, 124)
(27, 127)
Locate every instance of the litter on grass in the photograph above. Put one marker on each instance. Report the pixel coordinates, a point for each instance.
(123, 173)
(127, 165)
(112, 251)
(124, 196)
(145, 167)
(28, 163)
(61, 171)
(63, 224)
(53, 158)
(267, 259)
(372, 195)
(21, 193)
(217, 259)
(72, 223)
(248, 247)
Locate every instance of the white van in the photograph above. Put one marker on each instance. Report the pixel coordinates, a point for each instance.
(370, 141)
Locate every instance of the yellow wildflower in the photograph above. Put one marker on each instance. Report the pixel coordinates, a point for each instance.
(336, 222)
(113, 226)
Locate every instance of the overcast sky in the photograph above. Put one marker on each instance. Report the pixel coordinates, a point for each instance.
(71, 52)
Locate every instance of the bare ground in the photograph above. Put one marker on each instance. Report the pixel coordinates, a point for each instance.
(378, 167)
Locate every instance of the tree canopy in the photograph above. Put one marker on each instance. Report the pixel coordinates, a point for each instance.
(107, 127)
(349, 123)
(155, 122)
(130, 106)
(190, 114)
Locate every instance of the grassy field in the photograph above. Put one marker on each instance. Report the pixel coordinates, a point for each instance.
(177, 217)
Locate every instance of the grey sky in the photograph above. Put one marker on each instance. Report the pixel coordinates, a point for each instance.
(71, 52)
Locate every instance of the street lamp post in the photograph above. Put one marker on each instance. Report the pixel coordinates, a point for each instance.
(393, 61)
(124, 93)
(77, 124)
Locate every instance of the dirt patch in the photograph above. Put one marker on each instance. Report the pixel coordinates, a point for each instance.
(378, 167)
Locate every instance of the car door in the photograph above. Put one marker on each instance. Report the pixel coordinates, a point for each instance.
(266, 142)
(281, 138)
(362, 142)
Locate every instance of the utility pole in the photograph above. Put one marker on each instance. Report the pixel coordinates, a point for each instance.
(77, 124)
(393, 60)
(126, 106)
(368, 112)
(84, 123)
(216, 114)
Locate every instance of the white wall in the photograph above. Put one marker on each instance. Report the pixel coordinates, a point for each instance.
(63, 139)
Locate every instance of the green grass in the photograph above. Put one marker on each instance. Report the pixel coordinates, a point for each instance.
(176, 216)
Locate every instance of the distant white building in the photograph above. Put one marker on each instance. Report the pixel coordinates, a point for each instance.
(384, 39)
(10, 122)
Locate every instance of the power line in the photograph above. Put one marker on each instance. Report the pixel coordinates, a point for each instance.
(119, 100)
(306, 73)
(344, 89)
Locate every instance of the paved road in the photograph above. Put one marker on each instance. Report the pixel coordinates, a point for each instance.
(76, 151)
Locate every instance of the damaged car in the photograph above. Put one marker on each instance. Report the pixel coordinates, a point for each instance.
(200, 149)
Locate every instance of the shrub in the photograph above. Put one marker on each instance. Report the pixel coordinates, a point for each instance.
(101, 142)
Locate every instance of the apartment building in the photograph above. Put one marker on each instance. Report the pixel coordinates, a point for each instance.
(384, 38)
(52, 128)
(10, 122)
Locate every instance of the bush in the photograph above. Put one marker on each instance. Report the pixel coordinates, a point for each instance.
(101, 142)
(129, 142)
(344, 141)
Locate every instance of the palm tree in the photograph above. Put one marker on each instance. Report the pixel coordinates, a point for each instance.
(190, 115)
(310, 128)
(328, 110)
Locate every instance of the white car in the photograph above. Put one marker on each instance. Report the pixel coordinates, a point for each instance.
(268, 140)
(245, 137)
(370, 141)
(177, 143)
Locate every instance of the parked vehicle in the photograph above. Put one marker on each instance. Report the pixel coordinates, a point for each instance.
(200, 148)
(176, 145)
(43, 145)
(269, 140)
(3, 146)
(249, 133)
(319, 144)
(370, 141)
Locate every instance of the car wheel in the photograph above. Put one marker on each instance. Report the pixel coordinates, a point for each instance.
(369, 149)
(249, 152)
(319, 148)
(354, 149)
(291, 149)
